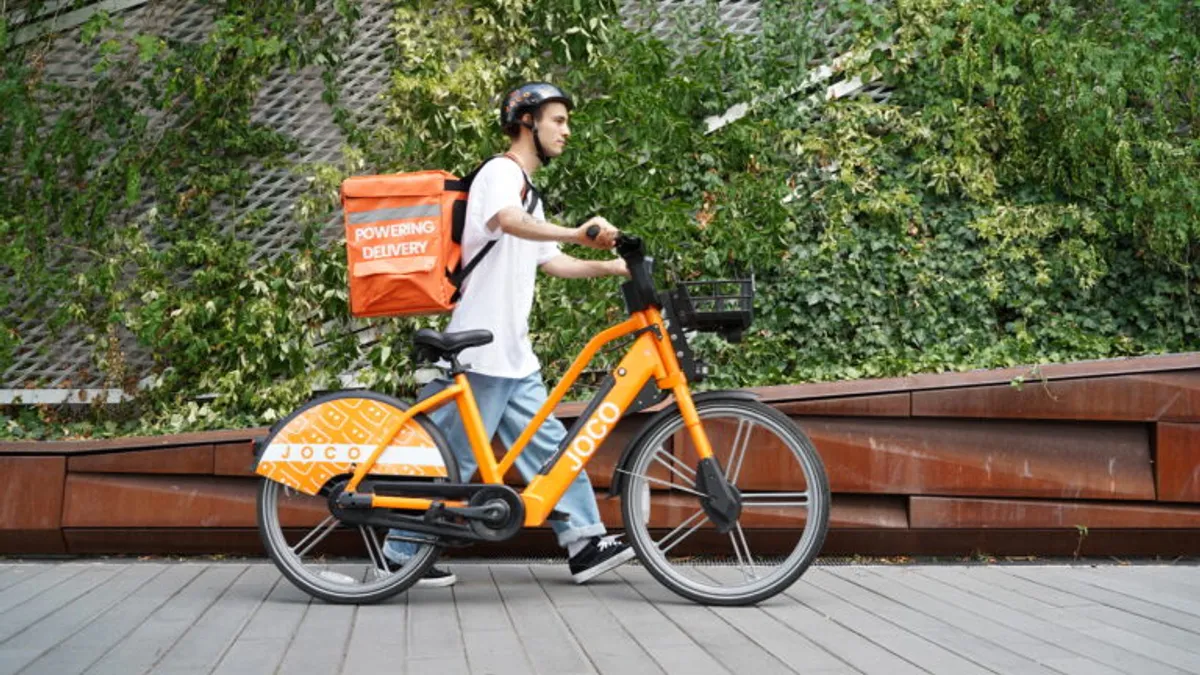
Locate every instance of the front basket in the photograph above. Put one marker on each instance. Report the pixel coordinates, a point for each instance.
(722, 306)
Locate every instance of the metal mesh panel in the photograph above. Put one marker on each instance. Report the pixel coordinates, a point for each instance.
(291, 103)
(662, 18)
(65, 360)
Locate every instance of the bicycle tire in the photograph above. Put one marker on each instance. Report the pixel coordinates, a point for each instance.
(324, 584)
(683, 576)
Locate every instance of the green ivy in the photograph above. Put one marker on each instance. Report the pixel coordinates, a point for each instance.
(1028, 191)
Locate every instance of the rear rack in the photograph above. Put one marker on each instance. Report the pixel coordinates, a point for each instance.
(724, 306)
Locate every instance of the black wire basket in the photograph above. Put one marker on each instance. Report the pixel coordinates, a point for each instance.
(723, 306)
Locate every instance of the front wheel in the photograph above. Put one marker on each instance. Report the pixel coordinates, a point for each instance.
(784, 494)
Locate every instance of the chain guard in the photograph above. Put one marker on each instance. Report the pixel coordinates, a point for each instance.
(503, 520)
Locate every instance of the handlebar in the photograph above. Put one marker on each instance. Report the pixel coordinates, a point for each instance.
(702, 305)
(639, 290)
(626, 243)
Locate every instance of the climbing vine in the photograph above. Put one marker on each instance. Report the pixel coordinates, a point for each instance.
(1023, 187)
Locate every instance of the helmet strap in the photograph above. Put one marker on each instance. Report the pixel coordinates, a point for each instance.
(537, 143)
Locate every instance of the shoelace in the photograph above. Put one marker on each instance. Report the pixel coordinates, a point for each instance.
(609, 542)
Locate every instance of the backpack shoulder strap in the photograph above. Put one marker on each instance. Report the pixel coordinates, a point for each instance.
(464, 184)
(537, 196)
(460, 274)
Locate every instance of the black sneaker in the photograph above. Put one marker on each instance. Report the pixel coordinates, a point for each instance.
(435, 577)
(599, 556)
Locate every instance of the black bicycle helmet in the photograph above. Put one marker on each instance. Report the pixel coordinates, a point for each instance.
(527, 98)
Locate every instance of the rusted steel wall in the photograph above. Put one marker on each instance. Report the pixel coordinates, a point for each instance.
(1096, 458)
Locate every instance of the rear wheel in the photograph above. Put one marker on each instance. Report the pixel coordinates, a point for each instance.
(326, 558)
(784, 495)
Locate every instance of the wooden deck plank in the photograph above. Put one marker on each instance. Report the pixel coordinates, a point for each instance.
(262, 644)
(433, 635)
(319, 643)
(1188, 575)
(1022, 639)
(245, 619)
(1126, 603)
(966, 631)
(542, 631)
(1028, 614)
(200, 648)
(1119, 636)
(894, 626)
(846, 644)
(1046, 593)
(1143, 586)
(489, 635)
(43, 635)
(967, 579)
(138, 651)
(12, 574)
(377, 641)
(609, 646)
(1164, 583)
(782, 642)
(50, 601)
(1162, 632)
(666, 643)
(22, 593)
(1150, 648)
(728, 645)
(76, 653)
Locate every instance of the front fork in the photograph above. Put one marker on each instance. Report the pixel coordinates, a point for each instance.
(723, 502)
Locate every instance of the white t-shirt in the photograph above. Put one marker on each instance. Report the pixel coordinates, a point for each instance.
(498, 294)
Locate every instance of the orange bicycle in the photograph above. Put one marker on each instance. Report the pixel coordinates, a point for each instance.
(348, 467)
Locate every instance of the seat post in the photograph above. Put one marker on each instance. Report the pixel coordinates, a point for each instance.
(455, 368)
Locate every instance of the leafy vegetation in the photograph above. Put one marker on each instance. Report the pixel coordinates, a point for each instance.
(1028, 191)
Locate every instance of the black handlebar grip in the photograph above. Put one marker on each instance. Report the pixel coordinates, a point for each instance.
(592, 232)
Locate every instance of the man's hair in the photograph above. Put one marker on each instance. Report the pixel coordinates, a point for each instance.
(513, 131)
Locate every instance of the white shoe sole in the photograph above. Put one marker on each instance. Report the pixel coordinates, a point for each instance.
(613, 562)
(440, 582)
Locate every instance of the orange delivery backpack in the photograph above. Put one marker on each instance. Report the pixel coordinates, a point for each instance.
(404, 240)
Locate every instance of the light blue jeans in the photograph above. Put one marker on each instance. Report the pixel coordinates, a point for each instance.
(507, 405)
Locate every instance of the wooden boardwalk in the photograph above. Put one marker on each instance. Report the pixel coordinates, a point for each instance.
(241, 617)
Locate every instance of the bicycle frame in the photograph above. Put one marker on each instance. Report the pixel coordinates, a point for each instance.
(651, 356)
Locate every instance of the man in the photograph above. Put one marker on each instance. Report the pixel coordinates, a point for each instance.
(498, 295)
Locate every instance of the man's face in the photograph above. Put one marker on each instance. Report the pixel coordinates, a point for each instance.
(553, 129)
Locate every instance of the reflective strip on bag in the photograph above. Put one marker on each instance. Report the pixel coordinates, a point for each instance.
(395, 213)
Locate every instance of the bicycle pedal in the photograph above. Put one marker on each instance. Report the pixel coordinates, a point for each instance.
(559, 516)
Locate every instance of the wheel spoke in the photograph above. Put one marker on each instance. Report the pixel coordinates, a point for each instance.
(673, 486)
(774, 499)
(748, 568)
(685, 535)
(309, 552)
(738, 453)
(315, 536)
(374, 550)
(733, 449)
(678, 461)
(690, 480)
(798, 495)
